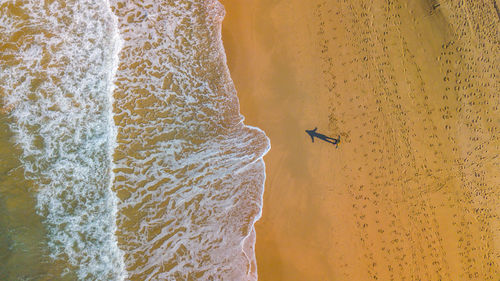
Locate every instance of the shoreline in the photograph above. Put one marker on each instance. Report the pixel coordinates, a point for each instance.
(248, 242)
(387, 78)
(293, 135)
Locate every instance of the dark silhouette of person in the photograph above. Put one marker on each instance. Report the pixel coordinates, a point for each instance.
(313, 134)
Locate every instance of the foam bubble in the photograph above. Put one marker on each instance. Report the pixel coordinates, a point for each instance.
(189, 173)
(57, 88)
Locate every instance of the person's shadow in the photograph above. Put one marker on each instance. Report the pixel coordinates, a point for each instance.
(313, 134)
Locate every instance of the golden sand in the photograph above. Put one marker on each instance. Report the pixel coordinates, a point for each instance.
(412, 88)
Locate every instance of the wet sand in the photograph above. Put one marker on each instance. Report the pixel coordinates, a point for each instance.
(412, 89)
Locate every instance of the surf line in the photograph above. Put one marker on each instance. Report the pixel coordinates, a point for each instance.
(112, 131)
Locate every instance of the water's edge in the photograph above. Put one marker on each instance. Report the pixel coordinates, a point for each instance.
(248, 243)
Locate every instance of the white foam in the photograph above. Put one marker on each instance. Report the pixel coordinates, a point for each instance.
(63, 123)
(191, 172)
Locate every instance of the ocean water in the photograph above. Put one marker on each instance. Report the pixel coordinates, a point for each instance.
(123, 152)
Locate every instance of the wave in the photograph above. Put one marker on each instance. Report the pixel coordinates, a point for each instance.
(129, 124)
(189, 173)
(56, 85)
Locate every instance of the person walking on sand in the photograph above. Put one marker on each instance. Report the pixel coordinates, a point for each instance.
(313, 134)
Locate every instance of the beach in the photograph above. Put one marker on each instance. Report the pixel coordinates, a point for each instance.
(273, 140)
(412, 90)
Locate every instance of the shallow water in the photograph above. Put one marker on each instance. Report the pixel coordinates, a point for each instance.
(124, 144)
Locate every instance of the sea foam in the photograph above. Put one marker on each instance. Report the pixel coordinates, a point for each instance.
(57, 85)
(189, 173)
(154, 179)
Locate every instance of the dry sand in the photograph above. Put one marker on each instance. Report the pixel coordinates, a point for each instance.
(412, 88)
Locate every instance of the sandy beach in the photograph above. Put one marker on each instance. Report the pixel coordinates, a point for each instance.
(412, 90)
